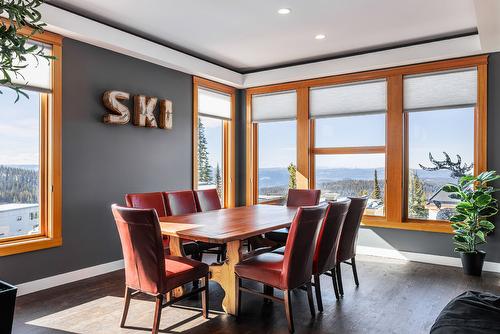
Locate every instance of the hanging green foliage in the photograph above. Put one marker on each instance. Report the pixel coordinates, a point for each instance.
(21, 14)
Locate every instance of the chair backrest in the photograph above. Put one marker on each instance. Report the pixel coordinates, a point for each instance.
(152, 200)
(325, 255)
(298, 258)
(303, 197)
(349, 234)
(180, 202)
(207, 200)
(142, 247)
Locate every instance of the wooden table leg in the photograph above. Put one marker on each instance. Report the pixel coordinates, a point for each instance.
(176, 249)
(224, 275)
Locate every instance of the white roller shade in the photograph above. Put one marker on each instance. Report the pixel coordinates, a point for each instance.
(440, 89)
(355, 98)
(37, 75)
(214, 104)
(274, 107)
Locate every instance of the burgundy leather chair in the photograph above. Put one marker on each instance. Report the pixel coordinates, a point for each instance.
(296, 198)
(207, 200)
(147, 269)
(325, 254)
(184, 202)
(289, 271)
(348, 238)
(155, 200)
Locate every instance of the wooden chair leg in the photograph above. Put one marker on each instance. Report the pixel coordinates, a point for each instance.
(354, 271)
(288, 310)
(128, 296)
(204, 297)
(158, 307)
(268, 290)
(317, 288)
(310, 299)
(339, 279)
(334, 281)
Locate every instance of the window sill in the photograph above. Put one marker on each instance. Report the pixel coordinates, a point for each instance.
(28, 245)
(413, 225)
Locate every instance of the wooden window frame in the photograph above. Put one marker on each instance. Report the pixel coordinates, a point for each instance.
(228, 141)
(50, 161)
(394, 149)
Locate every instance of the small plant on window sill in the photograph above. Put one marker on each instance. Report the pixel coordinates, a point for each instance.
(471, 223)
(21, 14)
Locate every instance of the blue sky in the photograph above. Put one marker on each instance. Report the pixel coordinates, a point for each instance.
(19, 128)
(436, 131)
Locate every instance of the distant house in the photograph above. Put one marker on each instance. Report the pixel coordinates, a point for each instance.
(18, 219)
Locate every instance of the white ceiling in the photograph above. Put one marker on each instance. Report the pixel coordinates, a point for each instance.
(250, 35)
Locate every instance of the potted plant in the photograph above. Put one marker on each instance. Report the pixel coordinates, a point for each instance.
(471, 222)
(7, 304)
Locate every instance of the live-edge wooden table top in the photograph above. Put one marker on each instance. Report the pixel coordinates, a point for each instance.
(225, 225)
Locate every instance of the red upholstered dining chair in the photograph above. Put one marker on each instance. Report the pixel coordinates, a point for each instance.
(207, 200)
(296, 198)
(184, 202)
(348, 238)
(155, 200)
(289, 271)
(325, 254)
(147, 269)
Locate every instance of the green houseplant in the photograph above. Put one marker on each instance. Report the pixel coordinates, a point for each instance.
(471, 222)
(23, 20)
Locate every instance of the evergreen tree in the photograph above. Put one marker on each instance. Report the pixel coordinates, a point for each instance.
(204, 168)
(377, 194)
(416, 198)
(292, 176)
(218, 181)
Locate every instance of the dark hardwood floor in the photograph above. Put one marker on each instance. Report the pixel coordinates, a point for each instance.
(394, 297)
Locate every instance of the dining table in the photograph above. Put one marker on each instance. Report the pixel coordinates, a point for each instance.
(229, 226)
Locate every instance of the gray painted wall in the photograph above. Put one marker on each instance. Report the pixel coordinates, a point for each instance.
(102, 162)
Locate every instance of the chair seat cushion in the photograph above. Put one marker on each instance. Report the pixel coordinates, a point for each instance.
(265, 268)
(278, 235)
(181, 270)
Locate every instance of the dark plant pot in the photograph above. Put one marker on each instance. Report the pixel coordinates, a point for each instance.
(472, 263)
(7, 305)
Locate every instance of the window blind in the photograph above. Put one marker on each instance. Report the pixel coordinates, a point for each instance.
(214, 104)
(274, 107)
(440, 89)
(348, 99)
(37, 74)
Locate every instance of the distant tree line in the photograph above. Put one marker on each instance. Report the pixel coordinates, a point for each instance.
(18, 185)
(205, 173)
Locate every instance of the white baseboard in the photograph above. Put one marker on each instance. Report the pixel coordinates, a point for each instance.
(420, 257)
(72, 276)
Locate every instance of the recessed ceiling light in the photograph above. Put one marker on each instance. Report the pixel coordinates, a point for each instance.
(284, 11)
(320, 36)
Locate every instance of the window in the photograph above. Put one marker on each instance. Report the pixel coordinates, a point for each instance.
(30, 131)
(277, 158)
(213, 139)
(394, 135)
(273, 117)
(349, 143)
(439, 114)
